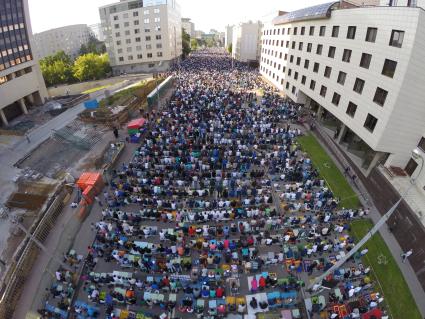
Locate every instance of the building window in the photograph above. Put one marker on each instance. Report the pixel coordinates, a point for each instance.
(351, 32)
(148, 38)
(148, 46)
(287, 85)
(287, 44)
(117, 34)
(149, 55)
(380, 96)
(319, 49)
(117, 26)
(119, 51)
(295, 30)
(146, 21)
(346, 56)
(127, 41)
(126, 24)
(156, 10)
(397, 37)
(371, 34)
(296, 76)
(293, 89)
(316, 67)
(331, 52)
(157, 19)
(138, 39)
(139, 56)
(328, 71)
(306, 63)
(358, 86)
(298, 60)
(341, 77)
(121, 59)
(335, 98)
(159, 54)
(158, 37)
(389, 68)
(303, 79)
(302, 30)
(323, 90)
(115, 18)
(365, 60)
(300, 46)
(311, 31)
(322, 31)
(127, 32)
(312, 84)
(421, 144)
(136, 22)
(351, 109)
(309, 46)
(130, 57)
(335, 31)
(119, 42)
(370, 122)
(129, 49)
(147, 30)
(289, 72)
(286, 56)
(135, 14)
(289, 31)
(146, 12)
(293, 44)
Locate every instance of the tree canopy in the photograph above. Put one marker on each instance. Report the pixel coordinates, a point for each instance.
(57, 68)
(93, 46)
(91, 67)
(185, 43)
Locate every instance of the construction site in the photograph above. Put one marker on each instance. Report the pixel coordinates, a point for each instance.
(39, 184)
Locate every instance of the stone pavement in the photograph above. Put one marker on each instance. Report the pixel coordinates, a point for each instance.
(379, 202)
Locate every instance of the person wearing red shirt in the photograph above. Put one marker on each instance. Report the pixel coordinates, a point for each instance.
(219, 292)
(262, 283)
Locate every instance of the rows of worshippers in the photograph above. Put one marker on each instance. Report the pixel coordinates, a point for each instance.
(195, 211)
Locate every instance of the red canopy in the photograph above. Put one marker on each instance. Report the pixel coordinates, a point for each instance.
(137, 123)
(374, 312)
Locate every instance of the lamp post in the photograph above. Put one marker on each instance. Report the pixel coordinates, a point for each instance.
(416, 154)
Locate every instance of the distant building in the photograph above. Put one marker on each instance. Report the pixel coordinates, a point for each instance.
(97, 31)
(188, 26)
(21, 83)
(142, 36)
(246, 41)
(199, 34)
(68, 39)
(228, 38)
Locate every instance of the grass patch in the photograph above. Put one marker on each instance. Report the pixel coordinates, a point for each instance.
(96, 89)
(328, 171)
(394, 288)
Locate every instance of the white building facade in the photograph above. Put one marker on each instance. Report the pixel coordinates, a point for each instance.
(68, 39)
(228, 38)
(188, 26)
(142, 36)
(21, 83)
(246, 41)
(360, 69)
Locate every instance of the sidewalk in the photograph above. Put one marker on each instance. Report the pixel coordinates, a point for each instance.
(368, 201)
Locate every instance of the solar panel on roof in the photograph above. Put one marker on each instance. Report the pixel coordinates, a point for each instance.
(320, 11)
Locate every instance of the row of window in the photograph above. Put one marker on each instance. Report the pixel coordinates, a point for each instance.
(136, 14)
(370, 121)
(388, 69)
(396, 39)
(136, 22)
(138, 39)
(140, 56)
(136, 31)
(139, 48)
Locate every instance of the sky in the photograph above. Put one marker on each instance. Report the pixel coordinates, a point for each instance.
(206, 14)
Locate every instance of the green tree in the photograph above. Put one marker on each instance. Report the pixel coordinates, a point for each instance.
(57, 69)
(229, 48)
(185, 43)
(93, 46)
(91, 67)
(193, 44)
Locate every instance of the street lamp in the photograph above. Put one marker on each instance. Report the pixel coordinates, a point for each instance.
(416, 154)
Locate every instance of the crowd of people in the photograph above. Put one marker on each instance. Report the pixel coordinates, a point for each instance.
(220, 211)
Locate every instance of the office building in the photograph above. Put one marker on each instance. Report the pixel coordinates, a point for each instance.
(68, 39)
(188, 26)
(21, 83)
(228, 38)
(361, 70)
(246, 41)
(142, 36)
